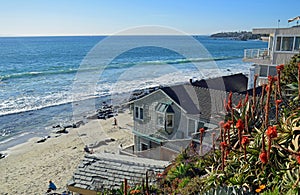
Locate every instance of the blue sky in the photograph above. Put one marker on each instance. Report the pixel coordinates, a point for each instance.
(102, 17)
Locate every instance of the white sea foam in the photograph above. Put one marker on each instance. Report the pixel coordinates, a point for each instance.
(14, 137)
(127, 82)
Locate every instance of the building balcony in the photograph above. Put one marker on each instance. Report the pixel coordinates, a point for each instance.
(257, 56)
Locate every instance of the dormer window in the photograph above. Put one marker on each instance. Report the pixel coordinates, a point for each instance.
(170, 120)
(139, 113)
(165, 117)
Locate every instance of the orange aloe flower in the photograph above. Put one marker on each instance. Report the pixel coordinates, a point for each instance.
(272, 132)
(227, 125)
(270, 78)
(263, 157)
(202, 130)
(240, 125)
(280, 67)
(245, 140)
(223, 145)
(267, 88)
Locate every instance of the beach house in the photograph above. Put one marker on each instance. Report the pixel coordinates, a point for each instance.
(166, 121)
(283, 43)
(178, 112)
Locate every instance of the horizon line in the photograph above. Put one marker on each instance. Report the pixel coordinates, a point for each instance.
(86, 35)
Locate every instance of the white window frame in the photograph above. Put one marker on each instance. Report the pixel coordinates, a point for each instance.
(138, 114)
(141, 108)
(281, 42)
(295, 43)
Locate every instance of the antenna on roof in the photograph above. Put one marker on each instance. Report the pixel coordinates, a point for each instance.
(278, 22)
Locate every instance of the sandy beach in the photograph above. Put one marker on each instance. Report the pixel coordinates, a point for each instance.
(29, 167)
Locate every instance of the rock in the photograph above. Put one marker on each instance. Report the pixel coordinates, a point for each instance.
(67, 126)
(77, 124)
(42, 140)
(62, 131)
(56, 126)
(2, 156)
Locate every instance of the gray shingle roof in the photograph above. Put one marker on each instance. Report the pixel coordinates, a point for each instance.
(108, 171)
(195, 100)
(234, 83)
(183, 96)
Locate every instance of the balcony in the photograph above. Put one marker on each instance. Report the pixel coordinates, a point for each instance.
(258, 56)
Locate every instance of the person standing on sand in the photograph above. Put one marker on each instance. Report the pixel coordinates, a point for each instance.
(51, 186)
(115, 122)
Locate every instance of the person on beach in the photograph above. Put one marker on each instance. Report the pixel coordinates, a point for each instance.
(51, 186)
(115, 122)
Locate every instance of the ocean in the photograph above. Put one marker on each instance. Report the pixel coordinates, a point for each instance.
(42, 77)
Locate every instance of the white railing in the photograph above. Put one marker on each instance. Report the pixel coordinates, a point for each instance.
(256, 53)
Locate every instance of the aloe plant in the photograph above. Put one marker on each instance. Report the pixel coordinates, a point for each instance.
(267, 160)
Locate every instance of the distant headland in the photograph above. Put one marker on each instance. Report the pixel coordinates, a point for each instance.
(241, 35)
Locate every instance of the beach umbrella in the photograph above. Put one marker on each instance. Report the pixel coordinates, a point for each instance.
(293, 19)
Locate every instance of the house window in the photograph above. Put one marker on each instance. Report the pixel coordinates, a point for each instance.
(278, 43)
(297, 44)
(263, 71)
(191, 127)
(287, 43)
(144, 146)
(272, 70)
(136, 111)
(160, 120)
(170, 120)
(139, 113)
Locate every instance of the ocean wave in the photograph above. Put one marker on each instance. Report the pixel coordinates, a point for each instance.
(171, 62)
(31, 102)
(35, 74)
(113, 65)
